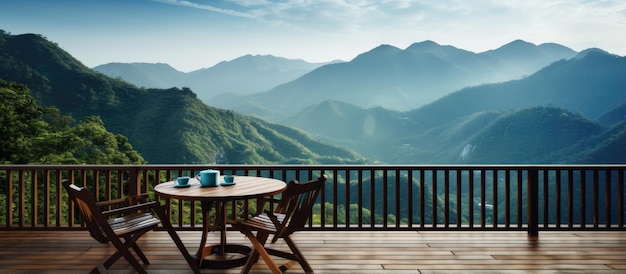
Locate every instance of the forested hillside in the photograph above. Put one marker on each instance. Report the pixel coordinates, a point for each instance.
(35, 135)
(164, 126)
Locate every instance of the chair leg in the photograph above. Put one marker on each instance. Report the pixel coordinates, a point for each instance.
(258, 248)
(98, 270)
(139, 252)
(252, 259)
(298, 254)
(165, 221)
(112, 259)
(262, 238)
(123, 249)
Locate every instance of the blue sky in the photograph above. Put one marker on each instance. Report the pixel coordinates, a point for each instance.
(194, 34)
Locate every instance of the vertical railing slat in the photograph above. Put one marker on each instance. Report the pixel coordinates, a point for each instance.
(607, 199)
(595, 201)
(446, 198)
(494, 198)
(470, 200)
(620, 199)
(459, 201)
(22, 202)
(557, 209)
(409, 176)
(483, 194)
(397, 197)
(507, 198)
(532, 202)
(570, 198)
(347, 197)
(422, 195)
(520, 175)
(34, 210)
(433, 195)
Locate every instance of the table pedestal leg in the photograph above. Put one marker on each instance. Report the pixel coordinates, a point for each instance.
(221, 255)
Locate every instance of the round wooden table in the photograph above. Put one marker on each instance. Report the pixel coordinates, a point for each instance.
(245, 187)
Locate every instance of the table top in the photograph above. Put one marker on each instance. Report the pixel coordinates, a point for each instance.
(245, 187)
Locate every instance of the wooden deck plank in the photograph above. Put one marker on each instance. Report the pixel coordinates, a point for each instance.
(376, 252)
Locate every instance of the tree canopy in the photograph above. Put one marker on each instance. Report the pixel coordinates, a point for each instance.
(33, 134)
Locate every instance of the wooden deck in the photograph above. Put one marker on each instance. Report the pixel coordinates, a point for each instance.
(342, 252)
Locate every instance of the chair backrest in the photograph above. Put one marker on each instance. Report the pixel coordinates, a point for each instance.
(91, 214)
(297, 204)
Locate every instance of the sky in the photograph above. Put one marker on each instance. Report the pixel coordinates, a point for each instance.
(196, 34)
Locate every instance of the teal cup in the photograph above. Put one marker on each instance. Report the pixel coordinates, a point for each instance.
(229, 179)
(182, 181)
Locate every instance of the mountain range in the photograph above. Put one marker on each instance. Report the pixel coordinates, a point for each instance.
(241, 76)
(166, 126)
(385, 76)
(589, 86)
(520, 103)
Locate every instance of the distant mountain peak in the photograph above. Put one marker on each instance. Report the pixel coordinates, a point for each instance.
(529, 55)
(517, 46)
(427, 44)
(384, 50)
(589, 51)
(431, 47)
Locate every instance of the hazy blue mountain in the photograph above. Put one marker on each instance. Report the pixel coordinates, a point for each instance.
(614, 116)
(247, 74)
(583, 91)
(524, 58)
(591, 84)
(147, 75)
(244, 75)
(400, 79)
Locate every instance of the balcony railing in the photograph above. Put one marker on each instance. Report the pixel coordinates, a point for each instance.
(356, 197)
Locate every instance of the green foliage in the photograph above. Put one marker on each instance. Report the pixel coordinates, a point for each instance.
(20, 120)
(32, 134)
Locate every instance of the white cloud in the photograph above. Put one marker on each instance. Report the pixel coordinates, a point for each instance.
(207, 7)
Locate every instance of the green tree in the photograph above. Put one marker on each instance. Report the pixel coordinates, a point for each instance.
(20, 120)
(88, 142)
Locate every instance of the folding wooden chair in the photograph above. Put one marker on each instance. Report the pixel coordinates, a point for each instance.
(291, 214)
(122, 222)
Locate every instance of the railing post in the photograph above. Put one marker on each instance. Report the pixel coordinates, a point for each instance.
(133, 181)
(533, 202)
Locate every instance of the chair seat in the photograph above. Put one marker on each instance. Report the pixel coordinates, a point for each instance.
(263, 222)
(131, 223)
